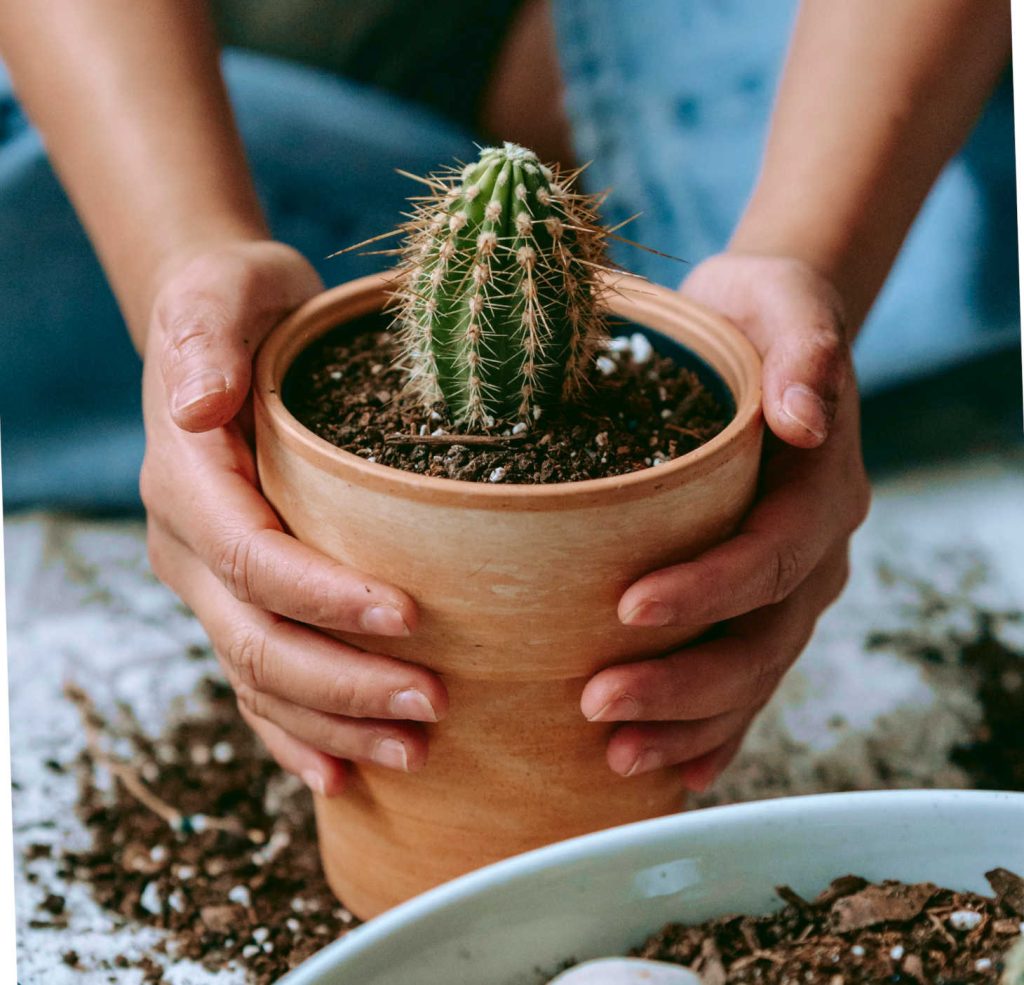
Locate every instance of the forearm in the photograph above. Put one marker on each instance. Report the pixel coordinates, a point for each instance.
(876, 96)
(129, 99)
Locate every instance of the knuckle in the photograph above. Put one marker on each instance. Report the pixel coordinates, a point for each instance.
(248, 698)
(155, 551)
(840, 578)
(861, 502)
(319, 602)
(248, 655)
(192, 320)
(783, 573)
(147, 484)
(349, 699)
(763, 681)
(235, 564)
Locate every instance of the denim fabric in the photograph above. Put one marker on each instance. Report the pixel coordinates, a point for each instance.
(323, 152)
(670, 100)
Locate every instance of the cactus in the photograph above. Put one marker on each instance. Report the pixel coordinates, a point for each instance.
(498, 308)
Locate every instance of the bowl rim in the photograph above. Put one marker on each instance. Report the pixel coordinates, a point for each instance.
(627, 294)
(373, 933)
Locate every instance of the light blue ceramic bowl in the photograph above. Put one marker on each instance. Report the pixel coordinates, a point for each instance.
(514, 922)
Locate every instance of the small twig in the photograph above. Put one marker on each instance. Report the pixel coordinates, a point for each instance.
(688, 432)
(182, 823)
(487, 440)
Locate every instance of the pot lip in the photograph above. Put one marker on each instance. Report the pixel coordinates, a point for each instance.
(625, 291)
(848, 809)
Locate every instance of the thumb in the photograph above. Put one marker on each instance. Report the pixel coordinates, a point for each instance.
(805, 372)
(209, 320)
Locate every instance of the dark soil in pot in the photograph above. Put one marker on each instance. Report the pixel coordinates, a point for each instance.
(644, 407)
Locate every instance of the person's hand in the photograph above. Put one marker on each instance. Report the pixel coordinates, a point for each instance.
(768, 584)
(217, 543)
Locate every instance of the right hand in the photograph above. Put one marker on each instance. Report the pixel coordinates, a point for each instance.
(259, 593)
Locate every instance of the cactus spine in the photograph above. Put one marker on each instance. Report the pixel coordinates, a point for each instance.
(499, 308)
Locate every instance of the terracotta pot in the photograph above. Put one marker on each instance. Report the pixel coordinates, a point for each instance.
(517, 587)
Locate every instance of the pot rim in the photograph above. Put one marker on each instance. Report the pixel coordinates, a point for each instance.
(729, 353)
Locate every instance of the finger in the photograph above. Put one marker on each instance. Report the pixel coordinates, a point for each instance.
(239, 538)
(211, 317)
(635, 749)
(739, 669)
(397, 747)
(323, 774)
(781, 541)
(700, 773)
(805, 371)
(270, 655)
(794, 317)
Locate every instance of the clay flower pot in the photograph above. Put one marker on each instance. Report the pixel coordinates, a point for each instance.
(517, 587)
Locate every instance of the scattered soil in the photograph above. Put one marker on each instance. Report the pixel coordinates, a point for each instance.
(642, 410)
(236, 879)
(993, 757)
(856, 933)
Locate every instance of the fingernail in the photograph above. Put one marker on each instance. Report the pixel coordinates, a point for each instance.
(315, 782)
(621, 709)
(649, 759)
(197, 388)
(391, 753)
(649, 613)
(383, 620)
(413, 705)
(805, 407)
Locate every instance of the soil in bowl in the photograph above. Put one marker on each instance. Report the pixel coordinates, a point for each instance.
(644, 407)
(856, 932)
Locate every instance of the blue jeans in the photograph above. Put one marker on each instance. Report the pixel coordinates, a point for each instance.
(323, 153)
(670, 100)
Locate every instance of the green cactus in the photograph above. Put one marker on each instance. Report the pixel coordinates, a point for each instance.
(499, 309)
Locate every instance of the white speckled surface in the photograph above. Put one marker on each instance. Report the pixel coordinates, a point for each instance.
(82, 604)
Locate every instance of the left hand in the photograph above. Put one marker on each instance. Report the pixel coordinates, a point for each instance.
(788, 561)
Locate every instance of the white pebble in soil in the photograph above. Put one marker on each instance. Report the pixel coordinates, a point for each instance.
(223, 752)
(150, 899)
(964, 919)
(497, 475)
(641, 348)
